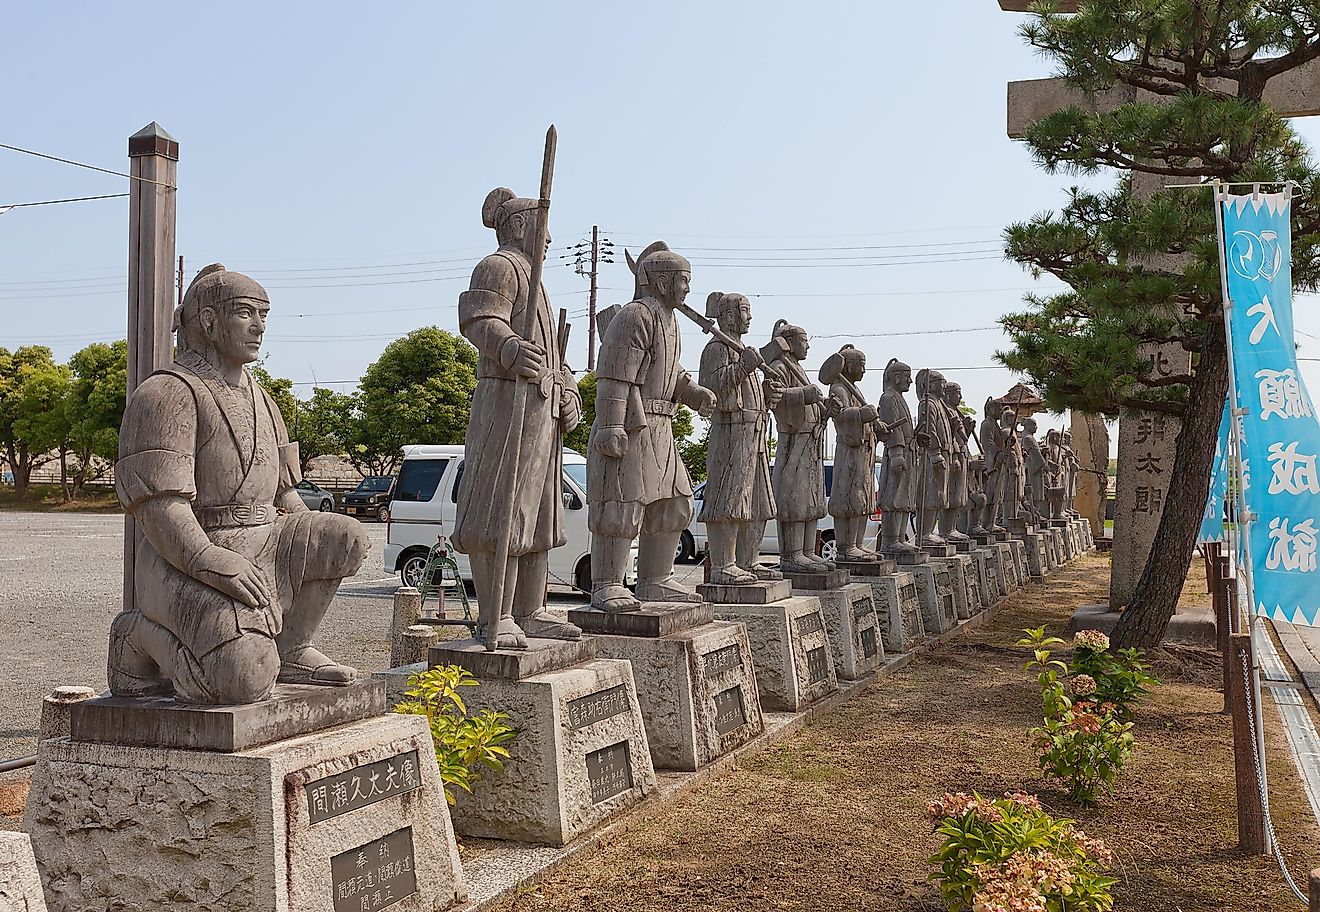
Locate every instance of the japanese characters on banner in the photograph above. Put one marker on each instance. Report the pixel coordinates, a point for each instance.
(1212, 522)
(1280, 434)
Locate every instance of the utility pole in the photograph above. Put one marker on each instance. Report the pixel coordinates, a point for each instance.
(602, 251)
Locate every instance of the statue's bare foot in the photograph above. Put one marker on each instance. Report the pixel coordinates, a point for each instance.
(767, 573)
(615, 597)
(732, 575)
(956, 536)
(818, 563)
(900, 547)
(543, 624)
(860, 555)
(799, 564)
(308, 665)
(933, 539)
(665, 590)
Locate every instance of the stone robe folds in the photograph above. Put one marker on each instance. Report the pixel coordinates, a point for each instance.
(958, 481)
(177, 422)
(494, 304)
(898, 491)
(640, 347)
(852, 492)
(738, 483)
(799, 474)
(933, 421)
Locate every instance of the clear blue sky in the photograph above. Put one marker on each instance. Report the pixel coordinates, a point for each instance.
(340, 154)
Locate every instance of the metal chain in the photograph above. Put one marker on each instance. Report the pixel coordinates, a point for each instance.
(1259, 763)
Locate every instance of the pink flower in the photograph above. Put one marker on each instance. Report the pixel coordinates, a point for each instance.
(1091, 639)
(1086, 723)
(1081, 686)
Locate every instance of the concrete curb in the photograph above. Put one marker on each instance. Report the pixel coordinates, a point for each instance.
(509, 870)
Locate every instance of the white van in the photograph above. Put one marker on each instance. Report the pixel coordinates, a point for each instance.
(693, 543)
(426, 501)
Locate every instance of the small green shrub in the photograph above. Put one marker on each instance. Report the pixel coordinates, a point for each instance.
(1081, 742)
(1121, 680)
(1009, 855)
(464, 744)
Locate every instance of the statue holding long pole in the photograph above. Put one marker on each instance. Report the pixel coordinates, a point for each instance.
(510, 509)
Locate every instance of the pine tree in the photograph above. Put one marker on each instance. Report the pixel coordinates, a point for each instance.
(1147, 271)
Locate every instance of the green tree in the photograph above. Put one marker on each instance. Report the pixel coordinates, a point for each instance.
(692, 452)
(1146, 271)
(418, 391)
(32, 424)
(324, 424)
(93, 411)
(577, 440)
(281, 390)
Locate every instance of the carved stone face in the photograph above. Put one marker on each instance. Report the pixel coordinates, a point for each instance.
(521, 233)
(902, 379)
(798, 344)
(736, 319)
(935, 386)
(953, 394)
(854, 366)
(1029, 425)
(671, 288)
(235, 330)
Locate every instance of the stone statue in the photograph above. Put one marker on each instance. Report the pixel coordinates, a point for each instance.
(1071, 466)
(953, 524)
(935, 443)
(1055, 474)
(898, 481)
(799, 474)
(852, 493)
(992, 440)
(496, 302)
(1036, 468)
(232, 573)
(637, 483)
(1015, 470)
(738, 499)
(976, 499)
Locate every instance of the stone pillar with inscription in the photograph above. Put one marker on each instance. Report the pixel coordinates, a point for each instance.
(1090, 439)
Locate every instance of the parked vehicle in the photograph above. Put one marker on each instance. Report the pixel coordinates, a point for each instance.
(426, 503)
(370, 498)
(693, 542)
(315, 496)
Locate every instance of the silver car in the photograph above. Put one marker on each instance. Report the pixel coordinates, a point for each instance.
(315, 496)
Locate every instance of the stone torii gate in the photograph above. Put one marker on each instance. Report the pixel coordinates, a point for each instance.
(1146, 442)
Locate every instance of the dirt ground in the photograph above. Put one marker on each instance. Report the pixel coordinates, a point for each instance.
(835, 819)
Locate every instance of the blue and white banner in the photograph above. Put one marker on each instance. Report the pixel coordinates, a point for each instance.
(1280, 434)
(1212, 522)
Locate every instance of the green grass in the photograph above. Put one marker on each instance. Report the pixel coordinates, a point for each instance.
(46, 498)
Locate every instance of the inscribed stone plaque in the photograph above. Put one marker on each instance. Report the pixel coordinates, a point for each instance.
(730, 714)
(817, 665)
(374, 875)
(907, 592)
(591, 709)
(863, 607)
(723, 659)
(361, 786)
(809, 623)
(868, 642)
(609, 771)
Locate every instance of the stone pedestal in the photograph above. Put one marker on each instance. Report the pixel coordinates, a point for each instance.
(828, 579)
(935, 592)
(911, 558)
(20, 886)
(1009, 578)
(957, 567)
(965, 545)
(696, 689)
(655, 619)
(581, 755)
(790, 650)
(878, 567)
(1070, 544)
(1019, 550)
(759, 593)
(55, 709)
(1038, 565)
(853, 629)
(1053, 559)
(327, 820)
(940, 550)
(898, 611)
(988, 575)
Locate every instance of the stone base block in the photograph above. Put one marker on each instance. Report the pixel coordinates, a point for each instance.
(989, 575)
(20, 885)
(696, 689)
(581, 755)
(655, 619)
(910, 558)
(957, 567)
(853, 629)
(898, 610)
(935, 592)
(1006, 563)
(790, 650)
(1002, 535)
(1038, 564)
(829, 579)
(762, 592)
(1191, 626)
(540, 657)
(878, 567)
(964, 546)
(396, 681)
(1020, 565)
(940, 550)
(1059, 522)
(1071, 546)
(293, 709)
(349, 815)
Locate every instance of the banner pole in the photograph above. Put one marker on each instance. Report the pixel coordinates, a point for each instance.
(1243, 517)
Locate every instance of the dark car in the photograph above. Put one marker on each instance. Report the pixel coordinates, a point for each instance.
(315, 496)
(370, 498)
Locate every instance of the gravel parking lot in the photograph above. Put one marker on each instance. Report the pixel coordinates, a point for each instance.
(61, 583)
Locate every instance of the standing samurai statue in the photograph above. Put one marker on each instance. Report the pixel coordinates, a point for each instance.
(233, 574)
(1038, 473)
(952, 524)
(801, 415)
(935, 440)
(852, 494)
(637, 484)
(898, 480)
(495, 302)
(993, 441)
(738, 499)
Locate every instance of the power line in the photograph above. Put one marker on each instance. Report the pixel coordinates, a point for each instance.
(663, 234)
(73, 199)
(78, 164)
